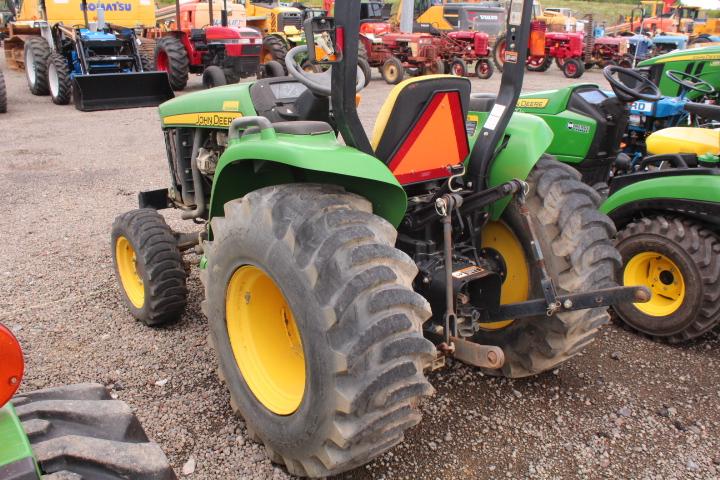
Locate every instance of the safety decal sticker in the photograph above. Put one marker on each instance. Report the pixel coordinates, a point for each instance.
(495, 114)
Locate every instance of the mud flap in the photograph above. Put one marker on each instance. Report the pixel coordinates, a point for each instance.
(110, 91)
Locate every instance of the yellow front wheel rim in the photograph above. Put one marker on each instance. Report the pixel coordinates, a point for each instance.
(664, 279)
(265, 340)
(130, 278)
(516, 285)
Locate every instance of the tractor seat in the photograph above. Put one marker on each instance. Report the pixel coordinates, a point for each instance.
(295, 128)
(482, 102)
(705, 111)
(684, 140)
(420, 130)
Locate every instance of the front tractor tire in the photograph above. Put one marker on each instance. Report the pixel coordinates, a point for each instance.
(575, 239)
(393, 71)
(213, 76)
(37, 52)
(59, 80)
(149, 267)
(679, 261)
(171, 57)
(316, 327)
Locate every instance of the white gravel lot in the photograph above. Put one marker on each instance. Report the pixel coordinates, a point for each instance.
(626, 408)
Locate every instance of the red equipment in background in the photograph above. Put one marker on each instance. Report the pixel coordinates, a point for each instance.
(460, 49)
(12, 365)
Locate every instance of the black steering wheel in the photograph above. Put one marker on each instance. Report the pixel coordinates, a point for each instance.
(691, 83)
(318, 83)
(643, 88)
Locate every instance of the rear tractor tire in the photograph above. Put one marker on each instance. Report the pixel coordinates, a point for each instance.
(149, 267)
(213, 76)
(316, 327)
(37, 52)
(171, 57)
(499, 52)
(79, 431)
(59, 81)
(679, 261)
(575, 239)
(366, 69)
(274, 49)
(3, 94)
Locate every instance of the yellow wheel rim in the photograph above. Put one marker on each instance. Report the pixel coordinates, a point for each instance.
(130, 278)
(664, 279)
(391, 73)
(265, 340)
(516, 285)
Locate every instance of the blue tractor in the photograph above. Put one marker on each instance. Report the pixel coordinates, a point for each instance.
(99, 67)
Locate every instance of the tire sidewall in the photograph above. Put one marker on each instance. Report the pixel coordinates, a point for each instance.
(290, 434)
(117, 232)
(685, 315)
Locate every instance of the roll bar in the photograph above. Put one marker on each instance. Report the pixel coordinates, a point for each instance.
(347, 21)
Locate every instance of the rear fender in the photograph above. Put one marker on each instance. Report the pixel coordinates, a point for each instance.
(253, 162)
(527, 137)
(695, 194)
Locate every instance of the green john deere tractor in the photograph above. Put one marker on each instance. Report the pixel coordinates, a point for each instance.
(336, 272)
(69, 432)
(703, 62)
(665, 205)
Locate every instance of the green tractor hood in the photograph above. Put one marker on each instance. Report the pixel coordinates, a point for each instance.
(692, 55)
(213, 108)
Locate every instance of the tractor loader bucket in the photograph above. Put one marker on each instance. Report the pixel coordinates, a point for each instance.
(110, 91)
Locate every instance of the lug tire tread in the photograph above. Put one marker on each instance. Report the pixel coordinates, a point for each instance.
(372, 318)
(156, 246)
(703, 247)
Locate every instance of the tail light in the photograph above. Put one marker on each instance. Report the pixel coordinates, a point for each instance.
(12, 365)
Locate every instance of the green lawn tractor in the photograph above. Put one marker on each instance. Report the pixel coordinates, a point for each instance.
(336, 272)
(666, 206)
(71, 432)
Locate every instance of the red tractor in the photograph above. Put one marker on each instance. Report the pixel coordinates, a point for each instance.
(567, 48)
(221, 53)
(397, 53)
(460, 49)
(609, 51)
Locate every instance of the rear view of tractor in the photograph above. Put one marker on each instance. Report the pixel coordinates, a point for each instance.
(98, 65)
(336, 270)
(221, 53)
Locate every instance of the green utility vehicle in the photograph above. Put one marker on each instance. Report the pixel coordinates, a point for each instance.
(335, 272)
(69, 432)
(666, 206)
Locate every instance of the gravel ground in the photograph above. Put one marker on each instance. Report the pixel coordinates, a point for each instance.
(626, 408)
